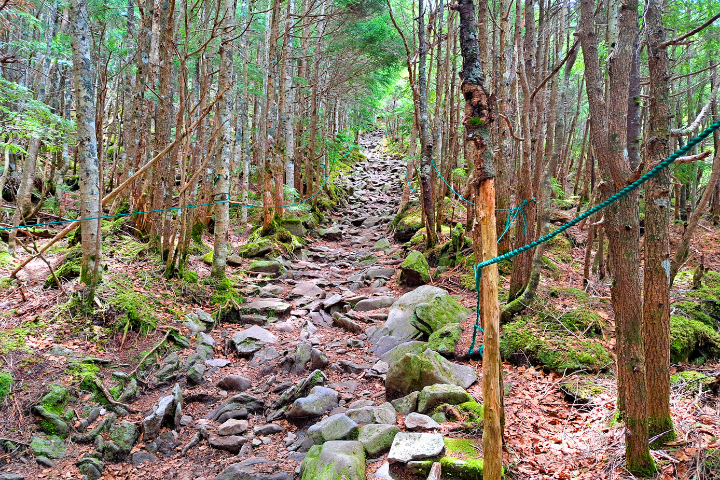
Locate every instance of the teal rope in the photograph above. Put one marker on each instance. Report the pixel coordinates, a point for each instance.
(408, 180)
(617, 196)
(181, 208)
(446, 183)
(514, 212)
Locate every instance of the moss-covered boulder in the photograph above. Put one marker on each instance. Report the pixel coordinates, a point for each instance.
(692, 340)
(207, 259)
(50, 447)
(124, 435)
(266, 266)
(412, 372)
(294, 226)
(259, 248)
(704, 311)
(377, 438)
(51, 423)
(527, 339)
(407, 223)
(6, 383)
(334, 460)
(445, 339)
(461, 460)
(415, 270)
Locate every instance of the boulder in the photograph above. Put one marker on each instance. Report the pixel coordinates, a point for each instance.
(334, 427)
(294, 226)
(445, 339)
(374, 303)
(256, 249)
(319, 401)
(233, 427)
(234, 383)
(435, 395)
(406, 404)
(250, 340)
(306, 289)
(163, 412)
(123, 435)
(334, 460)
(413, 372)
(50, 447)
(333, 233)
(382, 244)
(418, 421)
(384, 413)
(266, 266)
(230, 443)
(377, 438)
(415, 270)
(407, 447)
(417, 313)
(266, 306)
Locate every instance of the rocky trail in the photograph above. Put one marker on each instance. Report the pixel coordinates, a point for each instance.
(329, 370)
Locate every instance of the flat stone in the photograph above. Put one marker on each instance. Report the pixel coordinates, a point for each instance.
(252, 339)
(11, 476)
(406, 404)
(407, 447)
(418, 421)
(384, 413)
(374, 303)
(218, 362)
(379, 272)
(334, 460)
(138, 458)
(334, 427)
(268, 429)
(50, 447)
(233, 427)
(377, 438)
(435, 395)
(319, 401)
(267, 306)
(234, 383)
(231, 443)
(306, 289)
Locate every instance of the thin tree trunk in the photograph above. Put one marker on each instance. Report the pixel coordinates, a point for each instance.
(426, 143)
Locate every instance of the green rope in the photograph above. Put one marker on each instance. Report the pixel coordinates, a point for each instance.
(185, 207)
(408, 180)
(614, 198)
(514, 212)
(446, 183)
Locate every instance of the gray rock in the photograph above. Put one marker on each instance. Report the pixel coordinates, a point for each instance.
(266, 266)
(218, 362)
(303, 353)
(193, 324)
(268, 429)
(11, 476)
(44, 462)
(413, 372)
(377, 438)
(51, 422)
(421, 311)
(384, 413)
(408, 447)
(333, 233)
(231, 443)
(138, 458)
(406, 404)
(246, 470)
(374, 303)
(319, 401)
(250, 340)
(263, 356)
(205, 339)
(333, 461)
(233, 427)
(352, 367)
(204, 317)
(235, 383)
(418, 421)
(269, 306)
(434, 395)
(306, 289)
(234, 260)
(196, 374)
(334, 427)
(382, 244)
(333, 299)
(50, 447)
(90, 466)
(318, 360)
(161, 413)
(379, 272)
(124, 435)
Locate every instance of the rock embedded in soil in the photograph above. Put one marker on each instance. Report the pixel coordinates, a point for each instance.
(333, 461)
(306, 289)
(234, 383)
(266, 306)
(138, 458)
(319, 401)
(231, 443)
(268, 429)
(50, 447)
(408, 447)
(415, 270)
(162, 413)
(384, 414)
(334, 427)
(124, 435)
(377, 438)
(374, 303)
(233, 427)
(445, 339)
(435, 395)
(250, 340)
(418, 421)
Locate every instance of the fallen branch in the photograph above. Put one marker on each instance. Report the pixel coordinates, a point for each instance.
(167, 334)
(110, 398)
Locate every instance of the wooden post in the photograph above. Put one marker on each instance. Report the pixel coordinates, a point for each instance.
(477, 121)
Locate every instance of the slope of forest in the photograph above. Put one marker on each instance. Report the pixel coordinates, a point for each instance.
(276, 239)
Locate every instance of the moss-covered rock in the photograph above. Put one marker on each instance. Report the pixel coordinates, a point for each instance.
(441, 310)
(526, 339)
(445, 339)
(413, 372)
(207, 259)
(294, 226)
(691, 340)
(51, 423)
(701, 311)
(260, 248)
(580, 319)
(334, 460)
(266, 266)
(415, 270)
(56, 398)
(377, 438)
(407, 223)
(50, 447)
(134, 311)
(581, 389)
(124, 435)
(461, 461)
(6, 383)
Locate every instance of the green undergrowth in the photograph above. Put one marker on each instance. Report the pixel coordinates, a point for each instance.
(224, 293)
(693, 341)
(6, 383)
(541, 341)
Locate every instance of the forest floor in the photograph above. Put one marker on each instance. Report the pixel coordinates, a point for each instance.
(548, 435)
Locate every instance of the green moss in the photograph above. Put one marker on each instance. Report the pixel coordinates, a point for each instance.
(13, 339)
(580, 319)
(700, 311)
(475, 416)
(56, 399)
(136, 311)
(527, 339)
(6, 383)
(68, 269)
(690, 340)
(579, 296)
(189, 276)
(224, 294)
(6, 259)
(207, 259)
(414, 270)
(196, 232)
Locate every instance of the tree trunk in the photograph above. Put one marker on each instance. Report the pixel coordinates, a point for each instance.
(478, 121)
(89, 178)
(224, 153)
(426, 143)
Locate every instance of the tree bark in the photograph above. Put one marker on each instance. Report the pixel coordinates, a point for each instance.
(426, 143)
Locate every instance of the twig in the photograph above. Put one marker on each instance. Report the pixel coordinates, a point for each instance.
(679, 39)
(3, 439)
(110, 398)
(167, 334)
